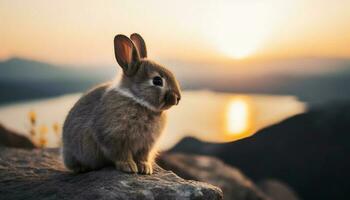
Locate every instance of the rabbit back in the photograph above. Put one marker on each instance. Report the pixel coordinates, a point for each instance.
(77, 136)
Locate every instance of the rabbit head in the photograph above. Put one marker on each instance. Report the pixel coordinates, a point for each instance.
(144, 80)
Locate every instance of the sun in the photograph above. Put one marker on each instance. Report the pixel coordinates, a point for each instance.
(243, 29)
(239, 29)
(240, 51)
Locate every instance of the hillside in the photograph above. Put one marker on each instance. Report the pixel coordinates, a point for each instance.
(308, 151)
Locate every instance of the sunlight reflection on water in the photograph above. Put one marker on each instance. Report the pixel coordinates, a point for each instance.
(210, 116)
(223, 117)
(238, 116)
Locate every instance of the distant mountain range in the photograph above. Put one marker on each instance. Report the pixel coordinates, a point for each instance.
(324, 79)
(309, 151)
(314, 80)
(22, 79)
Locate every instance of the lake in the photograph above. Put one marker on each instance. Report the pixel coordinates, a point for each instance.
(209, 116)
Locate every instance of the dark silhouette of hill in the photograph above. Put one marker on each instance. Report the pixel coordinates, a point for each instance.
(308, 151)
(22, 79)
(9, 138)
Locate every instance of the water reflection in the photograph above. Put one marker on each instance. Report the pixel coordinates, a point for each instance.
(222, 117)
(209, 116)
(238, 116)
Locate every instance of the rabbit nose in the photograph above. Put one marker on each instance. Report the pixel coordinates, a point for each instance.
(172, 98)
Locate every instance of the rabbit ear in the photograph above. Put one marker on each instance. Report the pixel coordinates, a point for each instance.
(140, 44)
(126, 54)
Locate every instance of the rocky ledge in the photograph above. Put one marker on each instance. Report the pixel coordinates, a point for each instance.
(234, 184)
(40, 174)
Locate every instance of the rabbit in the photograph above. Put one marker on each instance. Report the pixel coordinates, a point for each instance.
(118, 123)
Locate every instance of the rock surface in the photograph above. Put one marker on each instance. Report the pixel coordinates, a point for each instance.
(39, 174)
(233, 183)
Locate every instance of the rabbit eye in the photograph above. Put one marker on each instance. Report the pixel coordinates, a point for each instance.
(157, 81)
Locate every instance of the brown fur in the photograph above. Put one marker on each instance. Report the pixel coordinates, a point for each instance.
(120, 124)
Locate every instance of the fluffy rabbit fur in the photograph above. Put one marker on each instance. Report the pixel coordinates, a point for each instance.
(119, 123)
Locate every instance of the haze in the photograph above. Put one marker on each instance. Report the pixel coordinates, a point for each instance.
(81, 32)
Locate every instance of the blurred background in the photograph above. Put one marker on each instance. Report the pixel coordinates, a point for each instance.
(265, 83)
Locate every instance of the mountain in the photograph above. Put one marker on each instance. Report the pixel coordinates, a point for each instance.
(313, 80)
(22, 79)
(309, 151)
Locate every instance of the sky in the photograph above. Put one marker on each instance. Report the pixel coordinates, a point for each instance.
(81, 32)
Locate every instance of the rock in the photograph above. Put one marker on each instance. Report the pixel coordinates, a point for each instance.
(277, 190)
(233, 183)
(10, 138)
(40, 174)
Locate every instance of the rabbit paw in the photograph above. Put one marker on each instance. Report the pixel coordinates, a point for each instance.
(145, 167)
(126, 166)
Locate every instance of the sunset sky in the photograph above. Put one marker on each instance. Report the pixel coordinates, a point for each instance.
(81, 32)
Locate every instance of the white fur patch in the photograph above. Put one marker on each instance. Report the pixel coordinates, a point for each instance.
(127, 93)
